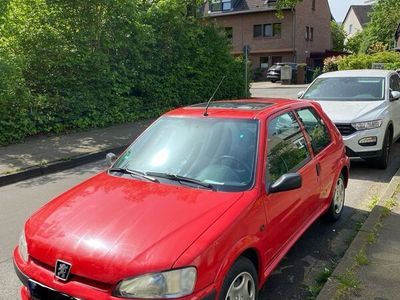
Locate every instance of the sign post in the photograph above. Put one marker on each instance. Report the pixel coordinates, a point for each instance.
(246, 51)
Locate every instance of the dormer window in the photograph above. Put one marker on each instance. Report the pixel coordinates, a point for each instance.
(270, 2)
(221, 5)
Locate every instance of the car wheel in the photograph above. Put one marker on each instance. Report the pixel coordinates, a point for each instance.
(273, 81)
(337, 203)
(383, 160)
(241, 283)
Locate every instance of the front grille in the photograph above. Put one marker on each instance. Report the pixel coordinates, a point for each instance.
(345, 129)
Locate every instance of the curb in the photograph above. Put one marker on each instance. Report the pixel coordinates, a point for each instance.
(329, 289)
(57, 166)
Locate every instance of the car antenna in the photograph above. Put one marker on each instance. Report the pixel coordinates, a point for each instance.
(212, 97)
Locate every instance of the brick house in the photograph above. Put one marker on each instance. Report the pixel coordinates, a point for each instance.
(302, 33)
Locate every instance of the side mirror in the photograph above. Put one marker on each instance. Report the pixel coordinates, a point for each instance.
(110, 159)
(394, 95)
(300, 94)
(286, 182)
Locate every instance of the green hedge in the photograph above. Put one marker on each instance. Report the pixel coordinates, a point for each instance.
(74, 65)
(365, 61)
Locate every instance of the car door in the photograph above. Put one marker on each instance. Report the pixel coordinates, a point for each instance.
(395, 105)
(287, 151)
(321, 144)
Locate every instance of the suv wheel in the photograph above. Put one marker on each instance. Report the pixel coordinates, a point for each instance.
(337, 203)
(383, 160)
(241, 281)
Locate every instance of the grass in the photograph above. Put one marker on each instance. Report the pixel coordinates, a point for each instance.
(348, 284)
(361, 258)
(374, 201)
(320, 280)
(348, 281)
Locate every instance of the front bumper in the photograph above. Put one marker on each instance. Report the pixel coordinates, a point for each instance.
(355, 150)
(46, 287)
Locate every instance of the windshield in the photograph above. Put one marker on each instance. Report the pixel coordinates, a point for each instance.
(347, 89)
(220, 152)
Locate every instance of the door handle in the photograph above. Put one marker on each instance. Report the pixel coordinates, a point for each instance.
(318, 168)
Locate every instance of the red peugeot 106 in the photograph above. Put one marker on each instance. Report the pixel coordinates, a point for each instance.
(203, 205)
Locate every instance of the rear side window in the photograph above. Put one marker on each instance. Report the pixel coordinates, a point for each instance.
(287, 147)
(316, 129)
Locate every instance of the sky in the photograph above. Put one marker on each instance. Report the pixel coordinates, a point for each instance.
(339, 8)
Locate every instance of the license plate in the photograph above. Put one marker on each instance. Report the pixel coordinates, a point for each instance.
(41, 292)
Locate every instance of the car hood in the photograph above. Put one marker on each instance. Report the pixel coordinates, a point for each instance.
(111, 228)
(352, 111)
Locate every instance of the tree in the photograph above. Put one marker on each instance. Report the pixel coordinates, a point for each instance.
(353, 44)
(385, 17)
(338, 36)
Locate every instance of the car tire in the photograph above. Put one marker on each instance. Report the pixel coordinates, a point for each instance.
(273, 81)
(337, 203)
(382, 161)
(241, 282)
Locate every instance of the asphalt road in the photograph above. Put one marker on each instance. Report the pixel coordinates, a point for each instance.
(270, 90)
(323, 244)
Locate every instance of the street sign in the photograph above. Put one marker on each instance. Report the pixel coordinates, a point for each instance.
(378, 66)
(246, 49)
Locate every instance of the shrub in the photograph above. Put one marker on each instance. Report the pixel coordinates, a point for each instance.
(331, 64)
(365, 61)
(102, 62)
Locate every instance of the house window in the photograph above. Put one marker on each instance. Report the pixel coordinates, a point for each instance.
(313, 5)
(226, 4)
(257, 31)
(277, 29)
(229, 32)
(350, 28)
(267, 30)
(271, 2)
(220, 5)
(309, 36)
(276, 59)
(264, 62)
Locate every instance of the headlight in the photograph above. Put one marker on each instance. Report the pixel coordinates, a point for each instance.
(367, 125)
(22, 247)
(170, 284)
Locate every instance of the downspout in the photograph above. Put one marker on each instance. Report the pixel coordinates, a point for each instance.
(294, 34)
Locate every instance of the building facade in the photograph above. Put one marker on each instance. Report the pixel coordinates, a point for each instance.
(356, 18)
(254, 23)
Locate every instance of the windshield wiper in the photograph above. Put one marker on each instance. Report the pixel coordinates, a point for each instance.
(133, 173)
(182, 179)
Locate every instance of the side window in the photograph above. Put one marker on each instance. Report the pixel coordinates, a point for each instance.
(395, 83)
(287, 148)
(316, 129)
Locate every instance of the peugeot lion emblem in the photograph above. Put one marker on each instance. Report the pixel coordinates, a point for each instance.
(62, 270)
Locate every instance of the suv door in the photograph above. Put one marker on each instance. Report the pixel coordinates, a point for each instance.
(395, 105)
(287, 152)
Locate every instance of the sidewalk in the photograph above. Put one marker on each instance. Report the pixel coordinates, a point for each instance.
(45, 154)
(370, 268)
(276, 85)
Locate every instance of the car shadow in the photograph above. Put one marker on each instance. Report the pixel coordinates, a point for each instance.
(315, 253)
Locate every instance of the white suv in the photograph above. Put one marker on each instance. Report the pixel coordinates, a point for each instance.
(365, 107)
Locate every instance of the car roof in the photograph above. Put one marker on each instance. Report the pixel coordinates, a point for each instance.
(355, 73)
(252, 108)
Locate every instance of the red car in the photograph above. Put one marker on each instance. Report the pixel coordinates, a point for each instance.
(203, 205)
